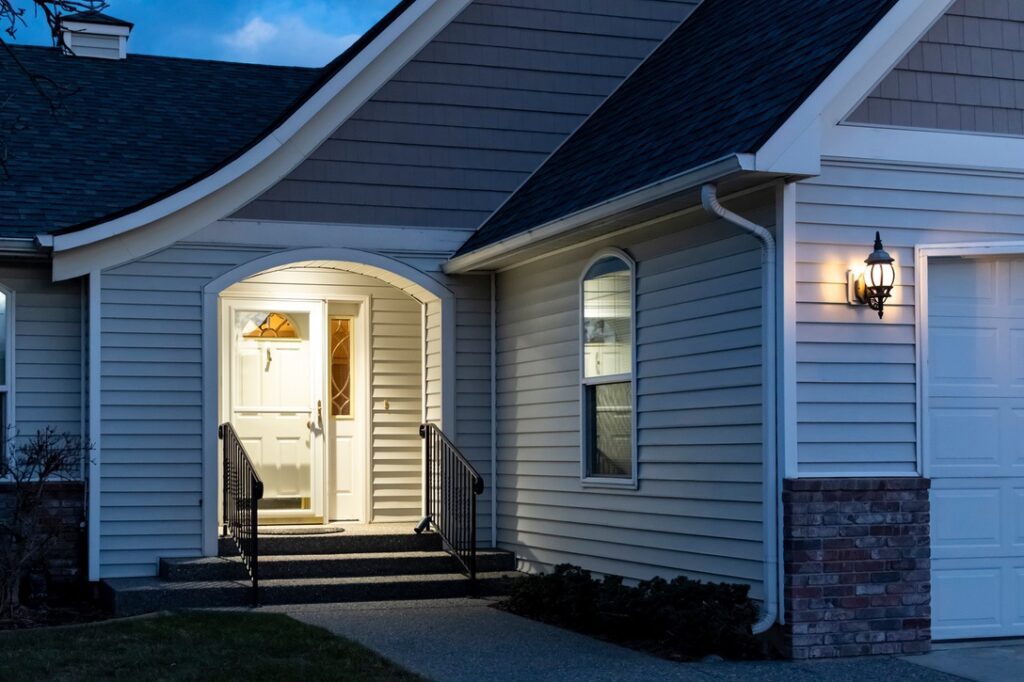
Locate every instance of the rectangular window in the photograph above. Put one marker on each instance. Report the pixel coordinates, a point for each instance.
(341, 367)
(610, 429)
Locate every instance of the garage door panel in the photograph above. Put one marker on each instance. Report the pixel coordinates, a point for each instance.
(974, 446)
(955, 530)
(964, 358)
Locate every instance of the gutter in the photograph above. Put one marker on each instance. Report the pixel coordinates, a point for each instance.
(18, 245)
(483, 257)
(770, 484)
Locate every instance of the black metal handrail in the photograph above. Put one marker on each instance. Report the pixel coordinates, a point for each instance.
(451, 488)
(243, 489)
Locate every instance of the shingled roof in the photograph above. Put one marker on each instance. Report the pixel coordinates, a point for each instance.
(721, 84)
(135, 130)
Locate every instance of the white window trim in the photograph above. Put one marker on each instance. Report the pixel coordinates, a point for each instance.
(587, 481)
(8, 387)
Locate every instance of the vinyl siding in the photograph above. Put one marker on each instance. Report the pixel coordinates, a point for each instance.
(396, 377)
(479, 108)
(967, 73)
(48, 345)
(697, 510)
(152, 378)
(856, 374)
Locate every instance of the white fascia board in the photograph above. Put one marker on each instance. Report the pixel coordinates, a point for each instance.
(255, 171)
(848, 84)
(916, 146)
(483, 258)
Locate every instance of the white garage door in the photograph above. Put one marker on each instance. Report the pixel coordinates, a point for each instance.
(975, 446)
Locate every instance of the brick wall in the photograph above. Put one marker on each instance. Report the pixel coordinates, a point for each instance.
(857, 566)
(65, 500)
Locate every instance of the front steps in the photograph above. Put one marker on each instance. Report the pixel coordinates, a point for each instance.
(306, 569)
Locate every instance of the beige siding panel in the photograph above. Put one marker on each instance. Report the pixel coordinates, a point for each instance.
(856, 374)
(697, 510)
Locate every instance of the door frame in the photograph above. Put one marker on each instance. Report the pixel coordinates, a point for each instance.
(364, 403)
(364, 406)
(922, 254)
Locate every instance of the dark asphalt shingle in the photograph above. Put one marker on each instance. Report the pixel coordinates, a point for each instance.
(722, 83)
(133, 129)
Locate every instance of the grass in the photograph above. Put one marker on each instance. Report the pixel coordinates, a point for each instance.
(191, 646)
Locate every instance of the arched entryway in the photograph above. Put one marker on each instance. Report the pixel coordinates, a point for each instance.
(326, 361)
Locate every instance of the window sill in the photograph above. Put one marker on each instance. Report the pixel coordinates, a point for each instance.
(611, 483)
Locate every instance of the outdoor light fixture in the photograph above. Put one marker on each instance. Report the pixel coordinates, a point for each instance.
(873, 286)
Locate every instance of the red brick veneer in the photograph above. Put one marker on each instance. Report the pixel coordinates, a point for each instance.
(857, 560)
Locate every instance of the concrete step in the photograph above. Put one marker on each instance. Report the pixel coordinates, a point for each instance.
(287, 566)
(339, 543)
(131, 596)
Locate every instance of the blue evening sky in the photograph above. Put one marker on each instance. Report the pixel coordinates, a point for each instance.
(294, 32)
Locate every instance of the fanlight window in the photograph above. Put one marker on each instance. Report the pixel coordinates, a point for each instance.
(341, 367)
(273, 326)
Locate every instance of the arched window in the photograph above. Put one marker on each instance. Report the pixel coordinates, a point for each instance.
(607, 358)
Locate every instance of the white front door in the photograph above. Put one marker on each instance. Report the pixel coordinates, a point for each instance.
(276, 400)
(975, 445)
(346, 412)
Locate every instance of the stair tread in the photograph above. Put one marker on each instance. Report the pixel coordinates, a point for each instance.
(155, 583)
(341, 556)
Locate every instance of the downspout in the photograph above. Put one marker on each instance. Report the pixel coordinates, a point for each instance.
(770, 480)
(494, 413)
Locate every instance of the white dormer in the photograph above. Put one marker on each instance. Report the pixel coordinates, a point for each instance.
(94, 34)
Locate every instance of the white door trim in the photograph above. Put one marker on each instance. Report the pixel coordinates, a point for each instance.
(921, 255)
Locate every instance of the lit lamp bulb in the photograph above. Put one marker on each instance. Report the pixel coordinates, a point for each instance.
(874, 286)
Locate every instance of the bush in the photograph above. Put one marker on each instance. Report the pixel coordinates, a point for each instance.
(682, 618)
(28, 526)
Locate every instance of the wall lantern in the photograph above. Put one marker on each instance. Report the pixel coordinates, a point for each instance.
(873, 286)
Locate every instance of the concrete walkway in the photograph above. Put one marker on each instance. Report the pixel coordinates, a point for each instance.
(464, 640)
(995, 661)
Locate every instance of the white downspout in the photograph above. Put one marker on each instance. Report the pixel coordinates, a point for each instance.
(494, 413)
(770, 484)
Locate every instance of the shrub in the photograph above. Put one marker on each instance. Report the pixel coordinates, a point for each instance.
(28, 526)
(681, 618)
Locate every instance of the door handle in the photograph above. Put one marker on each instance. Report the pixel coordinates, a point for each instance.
(320, 413)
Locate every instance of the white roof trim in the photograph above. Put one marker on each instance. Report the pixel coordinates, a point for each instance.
(255, 171)
(485, 257)
(848, 84)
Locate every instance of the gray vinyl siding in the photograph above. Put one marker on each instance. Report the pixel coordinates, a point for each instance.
(856, 374)
(479, 108)
(48, 349)
(698, 509)
(396, 377)
(966, 74)
(152, 378)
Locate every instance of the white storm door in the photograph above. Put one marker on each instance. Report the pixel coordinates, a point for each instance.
(975, 445)
(346, 413)
(275, 387)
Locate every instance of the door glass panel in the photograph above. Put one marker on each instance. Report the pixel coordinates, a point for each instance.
(341, 367)
(271, 399)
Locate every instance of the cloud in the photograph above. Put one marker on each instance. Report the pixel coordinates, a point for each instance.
(287, 39)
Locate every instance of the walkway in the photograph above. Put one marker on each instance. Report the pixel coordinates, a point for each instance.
(464, 640)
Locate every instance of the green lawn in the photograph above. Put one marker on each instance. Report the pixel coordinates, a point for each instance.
(191, 646)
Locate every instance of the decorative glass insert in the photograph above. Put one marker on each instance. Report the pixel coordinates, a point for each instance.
(607, 319)
(610, 429)
(272, 326)
(341, 367)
